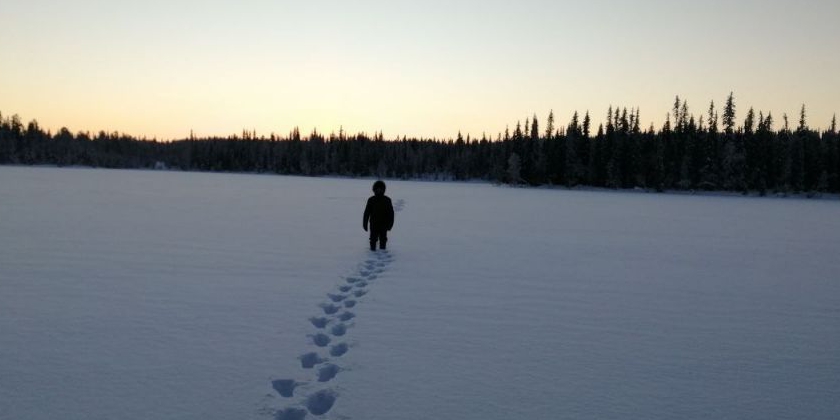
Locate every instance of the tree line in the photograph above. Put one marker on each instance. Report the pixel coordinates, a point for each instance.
(710, 152)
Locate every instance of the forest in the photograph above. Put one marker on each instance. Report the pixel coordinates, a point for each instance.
(711, 152)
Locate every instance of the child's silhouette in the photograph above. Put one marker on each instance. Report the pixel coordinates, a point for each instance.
(380, 213)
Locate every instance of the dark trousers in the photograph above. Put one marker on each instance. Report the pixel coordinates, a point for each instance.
(378, 235)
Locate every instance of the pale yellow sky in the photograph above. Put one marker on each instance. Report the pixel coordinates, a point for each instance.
(428, 69)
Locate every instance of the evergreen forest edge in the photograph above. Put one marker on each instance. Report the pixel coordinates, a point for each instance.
(712, 153)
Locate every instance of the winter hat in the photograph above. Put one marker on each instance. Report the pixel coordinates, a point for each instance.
(379, 185)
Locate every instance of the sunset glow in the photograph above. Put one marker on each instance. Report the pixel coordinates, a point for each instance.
(160, 69)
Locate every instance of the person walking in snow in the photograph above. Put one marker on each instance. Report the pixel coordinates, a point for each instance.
(379, 213)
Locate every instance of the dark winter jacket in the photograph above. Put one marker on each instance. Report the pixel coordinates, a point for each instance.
(379, 212)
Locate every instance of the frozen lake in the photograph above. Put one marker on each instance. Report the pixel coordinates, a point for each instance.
(167, 295)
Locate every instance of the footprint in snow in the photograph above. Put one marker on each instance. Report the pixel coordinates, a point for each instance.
(346, 316)
(321, 402)
(321, 340)
(338, 330)
(291, 413)
(336, 298)
(285, 387)
(339, 349)
(319, 322)
(345, 288)
(327, 372)
(309, 360)
(329, 308)
(349, 303)
(359, 293)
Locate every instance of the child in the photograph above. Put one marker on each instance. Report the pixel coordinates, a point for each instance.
(380, 213)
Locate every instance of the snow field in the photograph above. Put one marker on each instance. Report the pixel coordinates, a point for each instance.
(130, 294)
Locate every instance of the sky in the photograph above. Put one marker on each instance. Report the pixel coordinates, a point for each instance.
(164, 68)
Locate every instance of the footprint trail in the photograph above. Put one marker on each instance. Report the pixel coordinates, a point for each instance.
(320, 364)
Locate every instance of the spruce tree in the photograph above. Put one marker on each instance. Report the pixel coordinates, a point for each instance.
(549, 129)
(535, 128)
(729, 114)
(616, 119)
(624, 122)
(802, 124)
(574, 127)
(636, 122)
(676, 112)
(586, 123)
(749, 122)
(713, 121)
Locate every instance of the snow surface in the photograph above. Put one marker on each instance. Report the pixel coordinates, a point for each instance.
(167, 295)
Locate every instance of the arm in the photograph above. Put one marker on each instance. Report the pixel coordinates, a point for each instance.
(390, 215)
(366, 216)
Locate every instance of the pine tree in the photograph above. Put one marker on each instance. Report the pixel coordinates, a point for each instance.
(666, 128)
(802, 124)
(749, 122)
(616, 119)
(624, 122)
(574, 127)
(586, 124)
(677, 117)
(535, 128)
(713, 121)
(636, 122)
(729, 115)
(549, 129)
